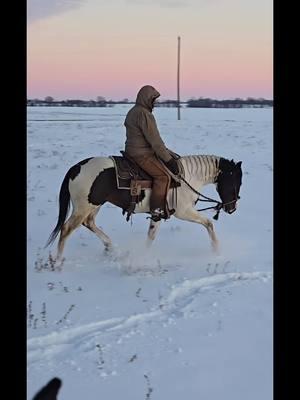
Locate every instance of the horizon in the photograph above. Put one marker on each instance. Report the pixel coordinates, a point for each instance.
(90, 48)
(159, 100)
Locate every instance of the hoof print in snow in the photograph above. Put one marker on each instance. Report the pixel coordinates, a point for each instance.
(149, 388)
(50, 264)
(134, 357)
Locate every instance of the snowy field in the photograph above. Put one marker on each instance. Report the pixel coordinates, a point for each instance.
(172, 322)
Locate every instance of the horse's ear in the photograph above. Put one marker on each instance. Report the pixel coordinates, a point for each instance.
(238, 164)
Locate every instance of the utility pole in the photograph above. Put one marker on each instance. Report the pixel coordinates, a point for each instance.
(178, 75)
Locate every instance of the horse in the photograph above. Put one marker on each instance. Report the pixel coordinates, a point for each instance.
(92, 182)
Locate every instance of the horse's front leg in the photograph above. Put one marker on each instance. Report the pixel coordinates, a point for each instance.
(152, 232)
(192, 215)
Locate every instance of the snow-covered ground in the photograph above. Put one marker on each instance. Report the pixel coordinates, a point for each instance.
(171, 322)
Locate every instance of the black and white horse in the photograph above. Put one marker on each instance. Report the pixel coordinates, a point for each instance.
(92, 182)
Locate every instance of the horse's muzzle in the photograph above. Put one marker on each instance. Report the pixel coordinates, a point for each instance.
(230, 208)
(231, 211)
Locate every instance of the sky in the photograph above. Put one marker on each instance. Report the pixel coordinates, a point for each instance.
(87, 48)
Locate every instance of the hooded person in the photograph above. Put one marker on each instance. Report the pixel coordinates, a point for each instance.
(146, 147)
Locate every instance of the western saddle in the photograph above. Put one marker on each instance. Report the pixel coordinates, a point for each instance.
(130, 176)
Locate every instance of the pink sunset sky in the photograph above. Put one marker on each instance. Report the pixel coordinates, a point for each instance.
(88, 48)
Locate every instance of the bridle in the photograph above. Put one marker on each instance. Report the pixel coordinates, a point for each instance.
(219, 205)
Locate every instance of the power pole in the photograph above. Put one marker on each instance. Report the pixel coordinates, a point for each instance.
(178, 75)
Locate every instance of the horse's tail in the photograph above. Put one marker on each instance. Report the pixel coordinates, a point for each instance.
(64, 204)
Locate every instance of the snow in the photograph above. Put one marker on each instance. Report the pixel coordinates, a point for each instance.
(170, 322)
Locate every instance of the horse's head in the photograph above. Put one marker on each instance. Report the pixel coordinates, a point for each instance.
(228, 183)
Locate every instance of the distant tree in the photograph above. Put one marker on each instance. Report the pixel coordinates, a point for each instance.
(201, 102)
(251, 101)
(166, 103)
(101, 99)
(49, 99)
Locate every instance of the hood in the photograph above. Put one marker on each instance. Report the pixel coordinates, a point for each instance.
(146, 95)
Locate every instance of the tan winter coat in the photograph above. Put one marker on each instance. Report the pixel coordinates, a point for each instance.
(142, 135)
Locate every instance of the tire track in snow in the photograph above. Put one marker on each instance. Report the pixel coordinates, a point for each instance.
(59, 341)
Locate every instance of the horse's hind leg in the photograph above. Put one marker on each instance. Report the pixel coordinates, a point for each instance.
(69, 226)
(152, 232)
(89, 223)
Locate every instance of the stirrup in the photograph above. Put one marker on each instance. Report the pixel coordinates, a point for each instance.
(171, 212)
(155, 218)
(157, 215)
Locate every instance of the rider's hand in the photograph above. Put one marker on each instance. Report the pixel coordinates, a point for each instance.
(173, 166)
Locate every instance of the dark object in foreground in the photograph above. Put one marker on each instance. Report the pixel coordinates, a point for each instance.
(50, 391)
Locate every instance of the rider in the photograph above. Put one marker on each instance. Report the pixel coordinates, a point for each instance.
(146, 147)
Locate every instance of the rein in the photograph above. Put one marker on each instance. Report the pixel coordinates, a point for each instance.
(219, 205)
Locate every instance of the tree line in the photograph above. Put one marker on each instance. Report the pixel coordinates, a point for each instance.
(229, 103)
(201, 102)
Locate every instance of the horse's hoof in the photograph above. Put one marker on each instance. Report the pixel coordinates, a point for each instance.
(108, 249)
(149, 243)
(216, 249)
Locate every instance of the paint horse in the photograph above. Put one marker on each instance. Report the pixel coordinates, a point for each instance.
(92, 182)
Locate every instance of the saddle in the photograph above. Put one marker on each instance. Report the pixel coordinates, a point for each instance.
(130, 176)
